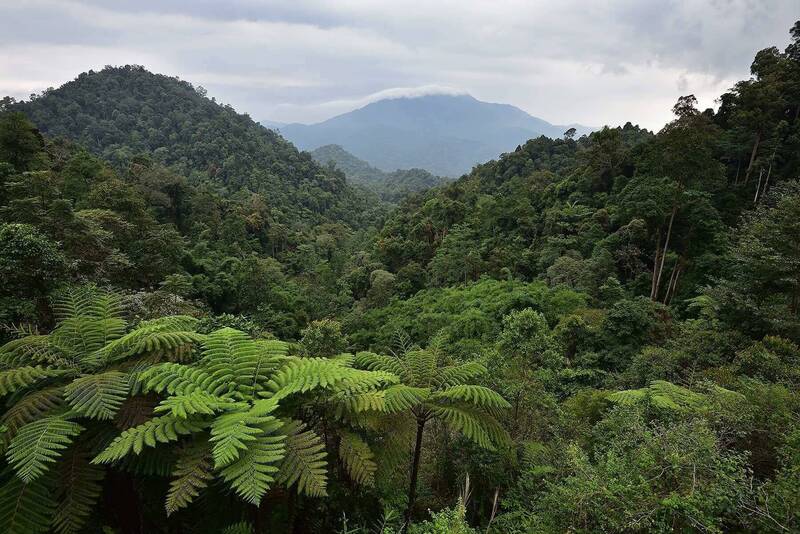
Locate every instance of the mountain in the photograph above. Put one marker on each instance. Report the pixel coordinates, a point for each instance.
(121, 112)
(443, 134)
(390, 186)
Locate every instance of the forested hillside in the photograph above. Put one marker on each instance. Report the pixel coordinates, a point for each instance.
(390, 186)
(206, 331)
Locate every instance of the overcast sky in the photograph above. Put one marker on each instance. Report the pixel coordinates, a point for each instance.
(593, 62)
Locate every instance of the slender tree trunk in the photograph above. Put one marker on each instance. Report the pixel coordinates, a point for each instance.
(758, 185)
(769, 171)
(412, 489)
(752, 157)
(655, 267)
(664, 252)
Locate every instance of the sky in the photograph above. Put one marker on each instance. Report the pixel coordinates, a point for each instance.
(592, 62)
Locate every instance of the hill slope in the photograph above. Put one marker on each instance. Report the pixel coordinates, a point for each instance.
(444, 134)
(120, 112)
(390, 186)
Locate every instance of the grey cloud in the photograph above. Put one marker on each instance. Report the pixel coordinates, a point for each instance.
(568, 61)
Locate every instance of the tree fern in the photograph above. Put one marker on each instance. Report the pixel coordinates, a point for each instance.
(439, 392)
(661, 394)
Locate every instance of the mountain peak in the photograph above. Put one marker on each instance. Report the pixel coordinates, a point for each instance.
(443, 133)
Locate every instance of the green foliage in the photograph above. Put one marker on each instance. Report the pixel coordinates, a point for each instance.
(38, 444)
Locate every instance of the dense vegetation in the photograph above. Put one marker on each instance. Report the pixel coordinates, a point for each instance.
(390, 186)
(588, 335)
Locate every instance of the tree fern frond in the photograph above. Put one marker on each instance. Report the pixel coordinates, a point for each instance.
(26, 508)
(39, 444)
(172, 337)
(98, 396)
(454, 375)
(422, 365)
(475, 395)
(195, 403)
(231, 358)
(400, 397)
(358, 458)
(305, 374)
(253, 472)
(157, 430)
(32, 349)
(23, 377)
(628, 397)
(79, 488)
(661, 394)
(32, 406)
(191, 474)
(467, 422)
(232, 433)
(175, 379)
(304, 463)
(379, 362)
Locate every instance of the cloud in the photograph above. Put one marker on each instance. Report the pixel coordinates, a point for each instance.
(306, 60)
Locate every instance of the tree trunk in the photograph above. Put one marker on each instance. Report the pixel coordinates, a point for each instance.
(758, 185)
(655, 267)
(657, 284)
(752, 157)
(412, 489)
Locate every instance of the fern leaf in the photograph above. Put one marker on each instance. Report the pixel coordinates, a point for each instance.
(174, 378)
(32, 406)
(38, 444)
(304, 463)
(422, 365)
(172, 337)
(157, 430)
(454, 375)
(191, 474)
(358, 459)
(475, 395)
(197, 403)
(23, 377)
(98, 396)
(378, 362)
(478, 427)
(26, 508)
(78, 491)
(401, 397)
(232, 433)
(253, 472)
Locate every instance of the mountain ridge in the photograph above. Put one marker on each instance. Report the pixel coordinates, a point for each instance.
(390, 186)
(441, 133)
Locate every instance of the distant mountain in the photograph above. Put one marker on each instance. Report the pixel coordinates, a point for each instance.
(444, 134)
(390, 186)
